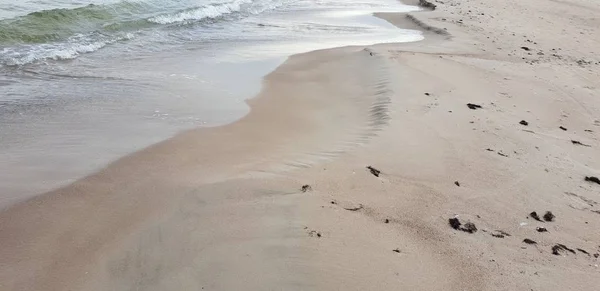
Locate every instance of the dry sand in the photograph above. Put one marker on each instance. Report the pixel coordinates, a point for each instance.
(221, 208)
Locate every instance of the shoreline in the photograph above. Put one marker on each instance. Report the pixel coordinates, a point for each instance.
(32, 167)
(130, 190)
(222, 208)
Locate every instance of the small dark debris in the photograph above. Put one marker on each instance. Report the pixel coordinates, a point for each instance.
(563, 128)
(525, 48)
(371, 54)
(454, 223)
(473, 106)
(498, 235)
(503, 154)
(583, 251)
(306, 188)
(529, 241)
(469, 227)
(426, 94)
(596, 255)
(313, 233)
(503, 233)
(588, 130)
(541, 229)
(396, 250)
(489, 150)
(580, 143)
(360, 206)
(592, 179)
(535, 216)
(557, 248)
(333, 202)
(549, 216)
(523, 122)
(387, 221)
(457, 183)
(374, 171)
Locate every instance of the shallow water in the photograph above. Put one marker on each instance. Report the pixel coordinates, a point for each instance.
(81, 84)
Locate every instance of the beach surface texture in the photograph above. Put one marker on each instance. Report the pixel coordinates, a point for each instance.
(465, 161)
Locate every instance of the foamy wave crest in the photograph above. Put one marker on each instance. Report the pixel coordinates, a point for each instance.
(23, 55)
(209, 11)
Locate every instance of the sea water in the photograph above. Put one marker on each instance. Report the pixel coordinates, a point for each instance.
(85, 82)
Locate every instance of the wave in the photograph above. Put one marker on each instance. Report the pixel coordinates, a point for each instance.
(22, 55)
(57, 33)
(208, 11)
(57, 24)
(52, 25)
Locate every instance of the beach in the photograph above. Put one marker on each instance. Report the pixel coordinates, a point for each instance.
(348, 168)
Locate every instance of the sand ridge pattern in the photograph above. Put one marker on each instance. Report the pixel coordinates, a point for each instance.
(357, 169)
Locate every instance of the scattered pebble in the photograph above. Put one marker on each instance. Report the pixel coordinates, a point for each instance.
(457, 183)
(396, 250)
(549, 216)
(454, 223)
(541, 229)
(580, 143)
(467, 227)
(499, 234)
(592, 179)
(558, 248)
(525, 48)
(529, 241)
(306, 188)
(523, 122)
(563, 128)
(583, 251)
(359, 207)
(473, 106)
(374, 171)
(535, 216)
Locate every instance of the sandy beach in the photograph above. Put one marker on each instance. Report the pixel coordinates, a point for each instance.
(224, 208)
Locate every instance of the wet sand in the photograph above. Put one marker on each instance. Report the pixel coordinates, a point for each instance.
(222, 208)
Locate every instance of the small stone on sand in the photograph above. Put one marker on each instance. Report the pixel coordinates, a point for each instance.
(473, 106)
(374, 171)
(592, 179)
(535, 216)
(549, 216)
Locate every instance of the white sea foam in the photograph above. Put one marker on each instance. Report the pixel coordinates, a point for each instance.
(77, 45)
(204, 12)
